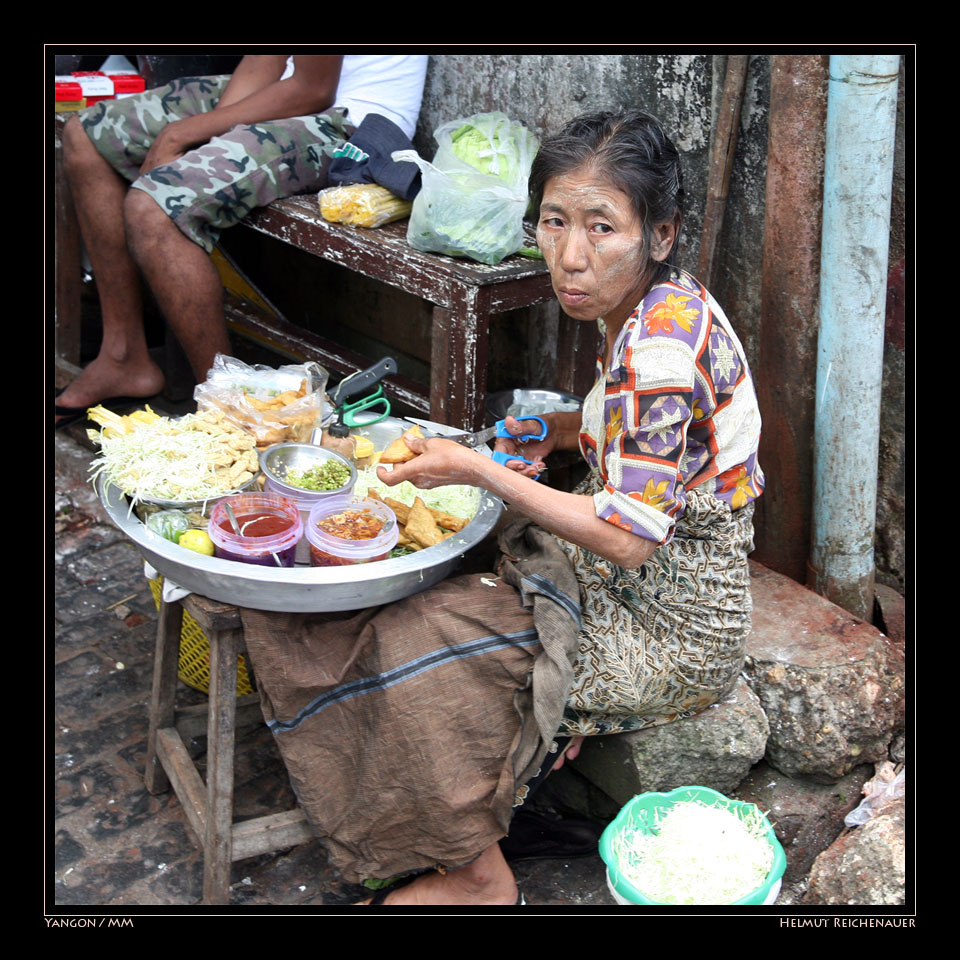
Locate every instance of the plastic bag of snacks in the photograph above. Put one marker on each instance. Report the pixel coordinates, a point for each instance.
(273, 404)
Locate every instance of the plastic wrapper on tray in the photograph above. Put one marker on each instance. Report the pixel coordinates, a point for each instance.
(274, 405)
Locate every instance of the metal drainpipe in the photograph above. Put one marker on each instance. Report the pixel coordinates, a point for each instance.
(858, 175)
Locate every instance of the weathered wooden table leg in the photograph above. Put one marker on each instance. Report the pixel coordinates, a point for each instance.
(458, 362)
(162, 700)
(218, 827)
(578, 343)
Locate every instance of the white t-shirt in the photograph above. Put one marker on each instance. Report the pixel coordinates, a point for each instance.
(390, 86)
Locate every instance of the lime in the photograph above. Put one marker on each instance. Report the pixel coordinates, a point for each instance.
(197, 540)
(363, 447)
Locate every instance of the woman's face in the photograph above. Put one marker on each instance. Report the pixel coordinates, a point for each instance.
(592, 240)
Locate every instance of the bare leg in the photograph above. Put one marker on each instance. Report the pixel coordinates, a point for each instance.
(486, 881)
(183, 279)
(123, 365)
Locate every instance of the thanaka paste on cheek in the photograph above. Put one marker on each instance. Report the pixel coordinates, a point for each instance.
(594, 250)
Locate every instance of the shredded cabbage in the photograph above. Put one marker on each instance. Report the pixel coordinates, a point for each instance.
(459, 500)
(164, 460)
(696, 854)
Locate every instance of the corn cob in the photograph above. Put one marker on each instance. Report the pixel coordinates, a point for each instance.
(362, 205)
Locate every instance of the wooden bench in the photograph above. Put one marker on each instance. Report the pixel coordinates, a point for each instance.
(463, 296)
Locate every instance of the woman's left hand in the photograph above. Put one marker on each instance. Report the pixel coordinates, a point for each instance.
(533, 450)
(438, 462)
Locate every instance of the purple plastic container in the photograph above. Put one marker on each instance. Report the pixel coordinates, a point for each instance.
(277, 516)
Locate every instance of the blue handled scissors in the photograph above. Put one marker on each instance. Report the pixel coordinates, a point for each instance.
(481, 437)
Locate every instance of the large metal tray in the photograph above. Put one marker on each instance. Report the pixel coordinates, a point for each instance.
(305, 589)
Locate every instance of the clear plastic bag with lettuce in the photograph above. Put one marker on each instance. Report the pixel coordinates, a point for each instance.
(474, 194)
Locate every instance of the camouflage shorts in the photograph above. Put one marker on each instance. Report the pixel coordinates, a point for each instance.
(216, 185)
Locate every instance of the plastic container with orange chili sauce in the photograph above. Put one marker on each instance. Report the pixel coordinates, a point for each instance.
(346, 530)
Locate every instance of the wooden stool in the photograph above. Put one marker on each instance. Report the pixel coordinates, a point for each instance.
(209, 808)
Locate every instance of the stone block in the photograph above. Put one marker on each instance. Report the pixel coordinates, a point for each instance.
(866, 866)
(831, 685)
(569, 793)
(714, 749)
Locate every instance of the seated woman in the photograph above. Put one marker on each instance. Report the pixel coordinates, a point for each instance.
(658, 535)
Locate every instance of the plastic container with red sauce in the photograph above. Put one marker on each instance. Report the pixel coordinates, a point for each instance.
(351, 515)
(271, 527)
(304, 505)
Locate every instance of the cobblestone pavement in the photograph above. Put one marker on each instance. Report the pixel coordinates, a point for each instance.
(115, 846)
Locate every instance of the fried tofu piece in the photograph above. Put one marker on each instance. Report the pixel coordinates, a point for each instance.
(241, 441)
(286, 398)
(421, 526)
(445, 520)
(402, 510)
(448, 521)
(398, 451)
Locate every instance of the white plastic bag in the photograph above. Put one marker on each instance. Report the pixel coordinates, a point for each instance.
(474, 194)
(882, 791)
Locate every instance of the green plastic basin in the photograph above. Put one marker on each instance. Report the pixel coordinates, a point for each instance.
(640, 813)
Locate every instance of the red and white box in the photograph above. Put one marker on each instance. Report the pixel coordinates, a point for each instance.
(126, 84)
(96, 86)
(67, 94)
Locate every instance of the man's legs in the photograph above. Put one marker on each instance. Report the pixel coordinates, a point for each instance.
(103, 150)
(123, 366)
(175, 213)
(183, 279)
(170, 222)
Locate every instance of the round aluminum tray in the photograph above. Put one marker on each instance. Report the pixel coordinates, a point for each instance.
(305, 589)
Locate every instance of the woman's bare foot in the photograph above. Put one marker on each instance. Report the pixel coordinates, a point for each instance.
(488, 881)
(104, 378)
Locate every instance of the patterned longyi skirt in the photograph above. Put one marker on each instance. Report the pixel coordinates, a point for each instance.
(666, 640)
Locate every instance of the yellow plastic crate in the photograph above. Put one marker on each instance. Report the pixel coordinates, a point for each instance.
(193, 667)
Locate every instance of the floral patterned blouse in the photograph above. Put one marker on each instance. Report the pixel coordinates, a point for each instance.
(676, 410)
